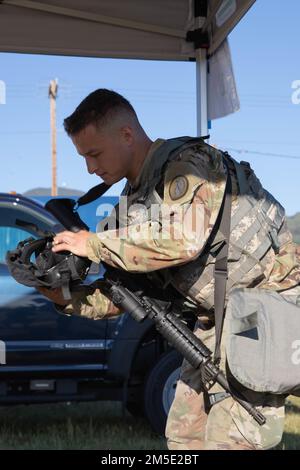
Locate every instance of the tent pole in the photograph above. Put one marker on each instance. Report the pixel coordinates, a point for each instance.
(201, 92)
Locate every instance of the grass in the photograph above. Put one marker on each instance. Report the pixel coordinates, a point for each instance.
(97, 426)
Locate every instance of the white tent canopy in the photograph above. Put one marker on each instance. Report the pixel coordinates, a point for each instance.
(136, 29)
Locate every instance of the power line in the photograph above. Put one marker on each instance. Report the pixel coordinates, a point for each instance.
(59, 130)
(258, 142)
(265, 154)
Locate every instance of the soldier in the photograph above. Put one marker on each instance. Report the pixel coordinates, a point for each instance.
(186, 179)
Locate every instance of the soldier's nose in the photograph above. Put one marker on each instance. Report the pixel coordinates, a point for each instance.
(91, 167)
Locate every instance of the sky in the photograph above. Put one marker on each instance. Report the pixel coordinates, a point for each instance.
(266, 59)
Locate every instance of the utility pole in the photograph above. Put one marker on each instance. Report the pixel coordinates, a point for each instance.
(53, 87)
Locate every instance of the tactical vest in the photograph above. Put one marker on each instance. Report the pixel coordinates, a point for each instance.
(257, 225)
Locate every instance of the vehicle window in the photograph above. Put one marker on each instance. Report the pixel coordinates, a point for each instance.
(10, 290)
(10, 214)
(9, 238)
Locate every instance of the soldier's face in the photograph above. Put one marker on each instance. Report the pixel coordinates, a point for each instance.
(108, 153)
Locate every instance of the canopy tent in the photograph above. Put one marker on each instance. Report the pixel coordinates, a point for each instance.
(136, 29)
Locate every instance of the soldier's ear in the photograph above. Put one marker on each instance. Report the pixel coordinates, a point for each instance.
(126, 133)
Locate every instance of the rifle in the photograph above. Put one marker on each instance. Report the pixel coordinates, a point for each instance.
(180, 337)
(140, 307)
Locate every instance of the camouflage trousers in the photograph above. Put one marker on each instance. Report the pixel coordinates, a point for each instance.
(227, 426)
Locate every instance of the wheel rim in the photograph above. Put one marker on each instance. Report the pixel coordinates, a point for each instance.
(169, 390)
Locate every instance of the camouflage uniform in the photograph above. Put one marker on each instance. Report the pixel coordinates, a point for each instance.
(192, 186)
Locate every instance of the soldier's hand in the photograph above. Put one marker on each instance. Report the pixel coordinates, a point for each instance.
(55, 295)
(70, 241)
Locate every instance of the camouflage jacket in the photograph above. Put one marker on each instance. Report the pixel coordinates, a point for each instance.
(186, 188)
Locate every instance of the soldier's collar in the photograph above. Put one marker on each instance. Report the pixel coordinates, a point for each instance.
(143, 175)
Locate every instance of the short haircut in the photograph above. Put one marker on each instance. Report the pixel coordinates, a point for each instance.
(99, 107)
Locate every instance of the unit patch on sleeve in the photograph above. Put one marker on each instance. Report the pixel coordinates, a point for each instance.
(178, 187)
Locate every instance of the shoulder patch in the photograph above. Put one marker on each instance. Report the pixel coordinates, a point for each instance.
(178, 187)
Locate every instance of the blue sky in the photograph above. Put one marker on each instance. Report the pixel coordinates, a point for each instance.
(266, 58)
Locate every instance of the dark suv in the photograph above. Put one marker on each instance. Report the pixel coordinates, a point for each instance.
(46, 356)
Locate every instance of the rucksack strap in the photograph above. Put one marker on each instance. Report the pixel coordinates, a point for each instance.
(221, 268)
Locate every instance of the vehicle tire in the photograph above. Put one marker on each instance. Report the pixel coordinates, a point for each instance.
(160, 389)
(136, 409)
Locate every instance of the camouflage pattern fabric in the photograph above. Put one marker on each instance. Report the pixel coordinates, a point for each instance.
(193, 188)
(151, 245)
(227, 426)
(91, 302)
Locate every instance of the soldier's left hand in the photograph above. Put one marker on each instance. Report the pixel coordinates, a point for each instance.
(70, 241)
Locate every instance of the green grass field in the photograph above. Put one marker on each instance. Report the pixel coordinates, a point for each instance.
(97, 426)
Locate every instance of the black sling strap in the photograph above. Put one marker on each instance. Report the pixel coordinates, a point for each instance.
(93, 194)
